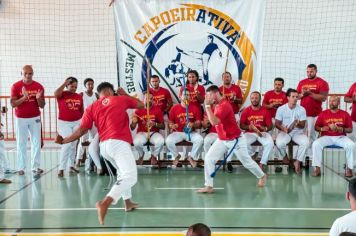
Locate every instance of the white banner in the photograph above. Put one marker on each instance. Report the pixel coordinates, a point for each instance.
(177, 36)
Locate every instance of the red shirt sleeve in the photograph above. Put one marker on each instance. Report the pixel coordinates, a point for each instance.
(87, 119)
(299, 87)
(201, 90)
(243, 118)
(129, 102)
(14, 92)
(238, 92)
(324, 87)
(351, 91)
(265, 99)
(168, 96)
(319, 121)
(348, 121)
(172, 114)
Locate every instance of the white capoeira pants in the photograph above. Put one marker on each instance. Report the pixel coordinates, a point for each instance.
(209, 139)
(89, 136)
(312, 135)
(176, 137)
(65, 129)
(217, 151)
(120, 155)
(266, 141)
(140, 139)
(299, 138)
(94, 153)
(25, 127)
(342, 141)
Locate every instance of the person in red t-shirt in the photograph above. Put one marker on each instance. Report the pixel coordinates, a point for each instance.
(70, 111)
(257, 122)
(223, 119)
(3, 159)
(275, 98)
(109, 114)
(196, 91)
(179, 123)
(27, 97)
(333, 124)
(313, 91)
(161, 96)
(350, 97)
(149, 124)
(231, 92)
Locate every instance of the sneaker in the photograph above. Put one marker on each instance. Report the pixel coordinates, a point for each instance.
(230, 168)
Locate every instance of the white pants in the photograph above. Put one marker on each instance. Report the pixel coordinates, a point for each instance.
(209, 139)
(341, 141)
(156, 139)
(299, 138)
(217, 151)
(266, 141)
(89, 136)
(176, 137)
(24, 127)
(94, 153)
(65, 129)
(120, 155)
(2, 159)
(312, 134)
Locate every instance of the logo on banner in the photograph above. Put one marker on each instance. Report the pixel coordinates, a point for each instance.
(174, 44)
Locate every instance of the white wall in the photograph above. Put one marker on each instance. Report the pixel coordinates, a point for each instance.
(76, 37)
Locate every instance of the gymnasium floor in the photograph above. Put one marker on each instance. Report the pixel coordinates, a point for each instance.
(289, 204)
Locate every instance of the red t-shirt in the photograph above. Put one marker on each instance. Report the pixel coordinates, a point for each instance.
(317, 85)
(177, 115)
(227, 129)
(161, 97)
(212, 127)
(155, 115)
(193, 101)
(340, 118)
(272, 97)
(70, 106)
(28, 108)
(229, 93)
(110, 117)
(259, 118)
(350, 93)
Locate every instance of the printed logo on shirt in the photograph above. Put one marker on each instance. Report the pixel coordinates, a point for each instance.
(336, 121)
(105, 101)
(73, 104)
(157, 100)
(311, 87)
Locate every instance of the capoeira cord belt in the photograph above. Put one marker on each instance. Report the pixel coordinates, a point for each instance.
(187, 129)
(225, 158)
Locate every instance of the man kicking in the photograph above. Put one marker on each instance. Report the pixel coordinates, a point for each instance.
(110, 117)
(229, 137)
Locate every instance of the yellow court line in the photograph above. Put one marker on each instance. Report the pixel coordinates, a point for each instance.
(164, 234)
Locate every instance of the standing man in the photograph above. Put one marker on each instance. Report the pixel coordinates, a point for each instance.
(313, 91)
(346, 223)
(161, 96)
(27, 97)
(290, 120)
(275, 98)
(223, 119)
(333, 124)
(231, 92)
(180, 121)
(70, 111)
(3, 161)
(350, 97)
(256, 121)
(110, 117)
(196, 91)
(149, 124)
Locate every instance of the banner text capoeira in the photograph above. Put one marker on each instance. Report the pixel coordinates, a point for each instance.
(176, 36)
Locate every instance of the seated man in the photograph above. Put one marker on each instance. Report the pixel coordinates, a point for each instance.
(182, 124)
(333, 124)
(257, 121)
(290, 120)
(149, 121)
(211, 136)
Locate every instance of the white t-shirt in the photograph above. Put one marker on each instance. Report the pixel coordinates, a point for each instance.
(346, 223)
(288, 116)
(88, 100)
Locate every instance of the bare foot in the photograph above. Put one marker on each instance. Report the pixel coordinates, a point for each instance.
(297, 167)
(130, 206)
(206, 189)
(5, 181)
(192, 162)
(102, 207)
(262, 182)
(285, 160)
(176, 161)
(153, 160)
(60, 173)
(348, 173)
(140, 161)
(72, 169)
(316, 172)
